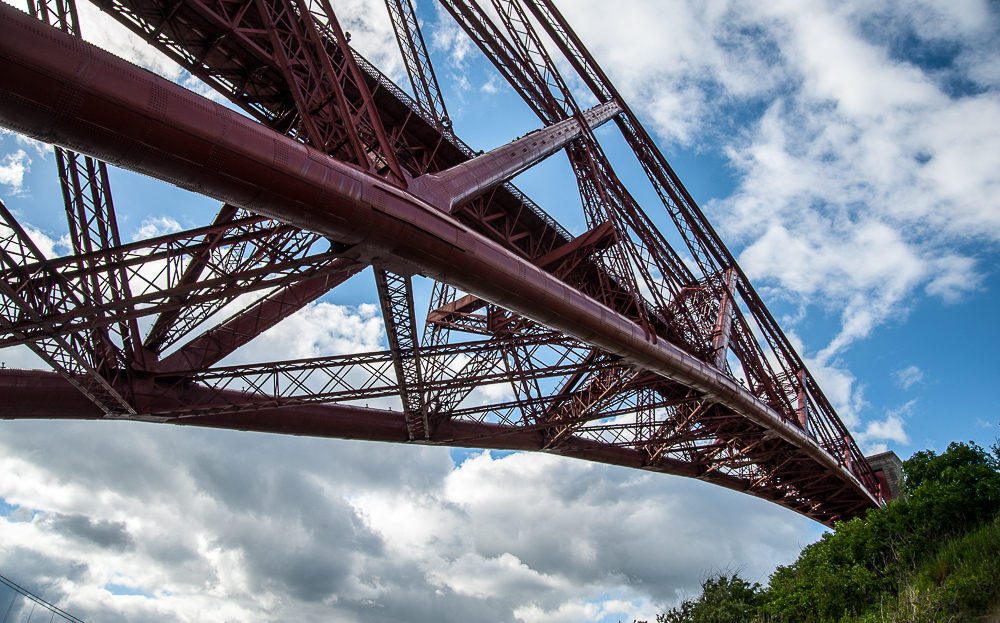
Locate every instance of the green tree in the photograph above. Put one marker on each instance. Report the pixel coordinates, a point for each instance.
(912, 558)
(725, 598)
(952, 492)
(861, 565)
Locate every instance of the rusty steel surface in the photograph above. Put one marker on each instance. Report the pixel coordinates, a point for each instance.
(614, 349)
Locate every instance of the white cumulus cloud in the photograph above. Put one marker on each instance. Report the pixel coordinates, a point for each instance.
(909, 376)
(12, 169)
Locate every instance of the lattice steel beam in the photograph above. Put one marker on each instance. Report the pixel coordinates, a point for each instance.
(395, 295)
(155, 276)
(418, 62)
(75, 356)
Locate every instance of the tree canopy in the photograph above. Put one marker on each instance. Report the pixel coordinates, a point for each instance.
(932, 555)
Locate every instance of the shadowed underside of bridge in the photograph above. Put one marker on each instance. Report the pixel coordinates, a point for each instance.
(613, 348)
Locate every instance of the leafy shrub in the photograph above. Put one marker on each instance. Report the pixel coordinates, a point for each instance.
(725, 598)
(933, 555)
(964, 576)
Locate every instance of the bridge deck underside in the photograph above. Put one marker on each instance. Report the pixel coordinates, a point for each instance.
(772, 469)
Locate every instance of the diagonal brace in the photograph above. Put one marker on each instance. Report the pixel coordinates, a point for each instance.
(395, 295)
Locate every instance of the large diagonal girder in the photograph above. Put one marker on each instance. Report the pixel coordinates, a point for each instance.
(702, 241)
(724, 278)
(667, 280)
(637, 382)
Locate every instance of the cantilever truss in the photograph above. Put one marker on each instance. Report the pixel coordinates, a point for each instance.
(611, 346)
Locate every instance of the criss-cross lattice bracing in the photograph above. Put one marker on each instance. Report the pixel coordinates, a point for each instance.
(605, 346)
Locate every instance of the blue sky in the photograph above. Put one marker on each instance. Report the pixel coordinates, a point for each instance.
(848, 153)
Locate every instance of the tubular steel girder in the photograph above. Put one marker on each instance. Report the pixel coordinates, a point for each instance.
(605, 373)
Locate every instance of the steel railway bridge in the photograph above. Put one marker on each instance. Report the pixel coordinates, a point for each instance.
(614, 347)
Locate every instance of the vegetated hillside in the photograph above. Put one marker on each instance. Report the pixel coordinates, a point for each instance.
(932, 556)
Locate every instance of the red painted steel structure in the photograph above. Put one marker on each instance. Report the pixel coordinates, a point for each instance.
(614, 349)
